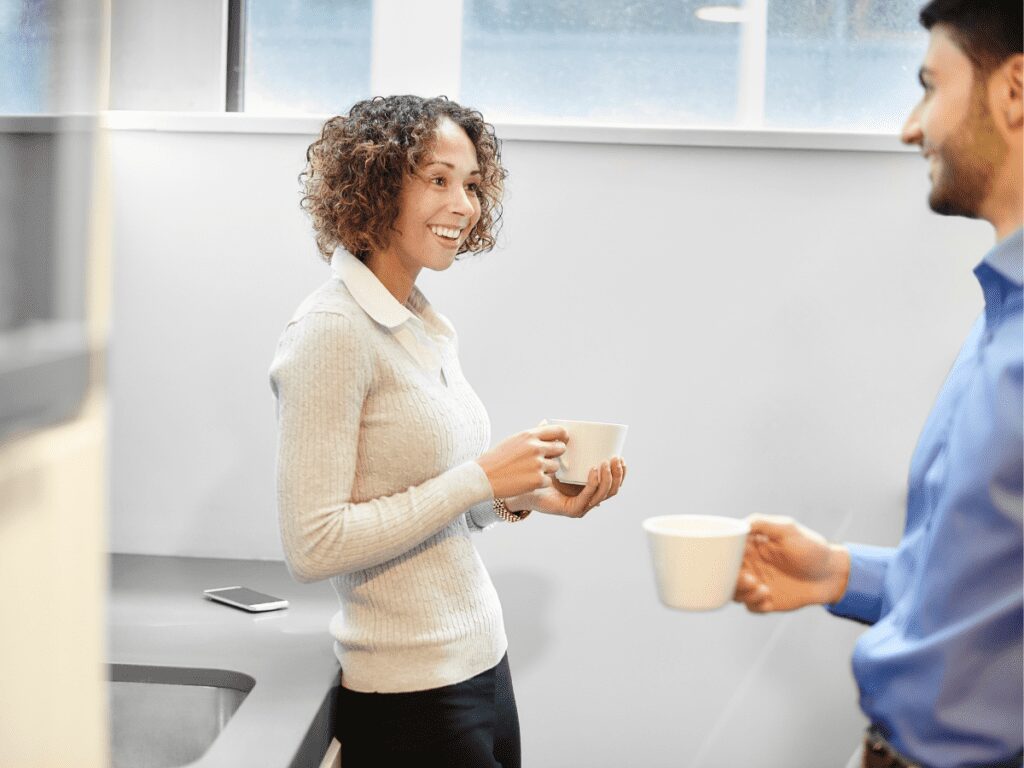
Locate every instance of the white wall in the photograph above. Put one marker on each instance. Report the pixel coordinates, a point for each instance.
(773, 325)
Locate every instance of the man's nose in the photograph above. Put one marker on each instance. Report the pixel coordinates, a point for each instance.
(911, 133)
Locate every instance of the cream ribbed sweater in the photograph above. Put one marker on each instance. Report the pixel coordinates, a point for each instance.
(378, 491)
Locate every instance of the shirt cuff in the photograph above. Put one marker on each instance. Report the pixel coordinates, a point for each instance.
(483, 516)
(480, 515)
(862, 600)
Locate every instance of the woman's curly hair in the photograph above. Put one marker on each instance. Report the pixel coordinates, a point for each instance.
(355, 170)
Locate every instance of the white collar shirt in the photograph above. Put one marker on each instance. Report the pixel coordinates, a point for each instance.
(421, 331)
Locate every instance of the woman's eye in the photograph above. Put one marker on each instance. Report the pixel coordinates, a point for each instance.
(439, 181)
(473, 187)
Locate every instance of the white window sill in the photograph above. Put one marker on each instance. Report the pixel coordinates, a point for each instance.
(309, 125)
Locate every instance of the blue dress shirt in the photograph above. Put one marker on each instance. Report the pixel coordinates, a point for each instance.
(940, 670)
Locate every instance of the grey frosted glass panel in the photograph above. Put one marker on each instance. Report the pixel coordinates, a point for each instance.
(44, 362)
(830, 64)
(25, 41)
(307, 56)
(45, 387)
(28, 181)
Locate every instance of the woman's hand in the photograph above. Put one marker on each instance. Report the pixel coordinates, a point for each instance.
(525, 461)
(568, 500)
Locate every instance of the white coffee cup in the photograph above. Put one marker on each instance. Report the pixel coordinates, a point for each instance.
(697, 558)
(590, 443)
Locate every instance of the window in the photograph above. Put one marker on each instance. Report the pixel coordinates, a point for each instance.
(842, 65)
(814, 64)
(598, 60)
(25, 29)
(306, 55)
(799, 64)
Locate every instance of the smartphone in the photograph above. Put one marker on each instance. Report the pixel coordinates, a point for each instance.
(246, 599)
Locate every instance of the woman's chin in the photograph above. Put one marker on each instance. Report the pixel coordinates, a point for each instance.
(442, 262)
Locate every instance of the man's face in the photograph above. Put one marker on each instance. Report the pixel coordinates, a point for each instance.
(954, 128)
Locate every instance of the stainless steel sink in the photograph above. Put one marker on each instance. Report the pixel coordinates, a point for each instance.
(163, 717)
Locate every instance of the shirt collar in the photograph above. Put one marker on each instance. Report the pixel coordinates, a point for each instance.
(368, 291)
(1007, 257)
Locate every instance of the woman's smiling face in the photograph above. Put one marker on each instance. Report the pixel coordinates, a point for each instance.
(438, 205)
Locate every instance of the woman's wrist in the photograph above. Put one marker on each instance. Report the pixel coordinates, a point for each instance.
(520, 503)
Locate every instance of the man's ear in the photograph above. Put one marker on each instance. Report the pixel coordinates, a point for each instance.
(1009, 83)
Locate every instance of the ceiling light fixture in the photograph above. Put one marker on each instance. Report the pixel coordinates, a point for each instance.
(726, 14)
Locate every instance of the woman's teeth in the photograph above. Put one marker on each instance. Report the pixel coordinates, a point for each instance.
(451, 234)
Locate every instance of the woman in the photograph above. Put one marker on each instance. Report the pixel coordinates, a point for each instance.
(382, 468)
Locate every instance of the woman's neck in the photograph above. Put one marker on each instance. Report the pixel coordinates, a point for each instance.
(393, 274)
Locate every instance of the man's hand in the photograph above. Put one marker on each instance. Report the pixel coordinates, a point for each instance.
(787, 566)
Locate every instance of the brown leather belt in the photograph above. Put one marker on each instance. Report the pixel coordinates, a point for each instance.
(879, 753)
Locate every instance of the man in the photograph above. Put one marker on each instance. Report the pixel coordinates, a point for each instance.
(940, 670)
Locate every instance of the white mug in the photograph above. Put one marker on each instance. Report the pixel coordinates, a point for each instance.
(697, 558)
(589, 444)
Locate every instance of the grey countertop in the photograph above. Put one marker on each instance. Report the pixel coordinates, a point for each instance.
(157, 616)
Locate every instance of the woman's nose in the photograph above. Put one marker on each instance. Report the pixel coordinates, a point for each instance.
(461, 202)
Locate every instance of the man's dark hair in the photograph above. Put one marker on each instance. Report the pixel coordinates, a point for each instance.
(987, 31)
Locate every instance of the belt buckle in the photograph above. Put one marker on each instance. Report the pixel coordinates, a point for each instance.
(878, 747)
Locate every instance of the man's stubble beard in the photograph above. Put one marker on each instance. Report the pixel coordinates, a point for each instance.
(969, 162)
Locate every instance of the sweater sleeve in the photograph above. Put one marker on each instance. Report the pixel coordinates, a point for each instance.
(321, 375)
